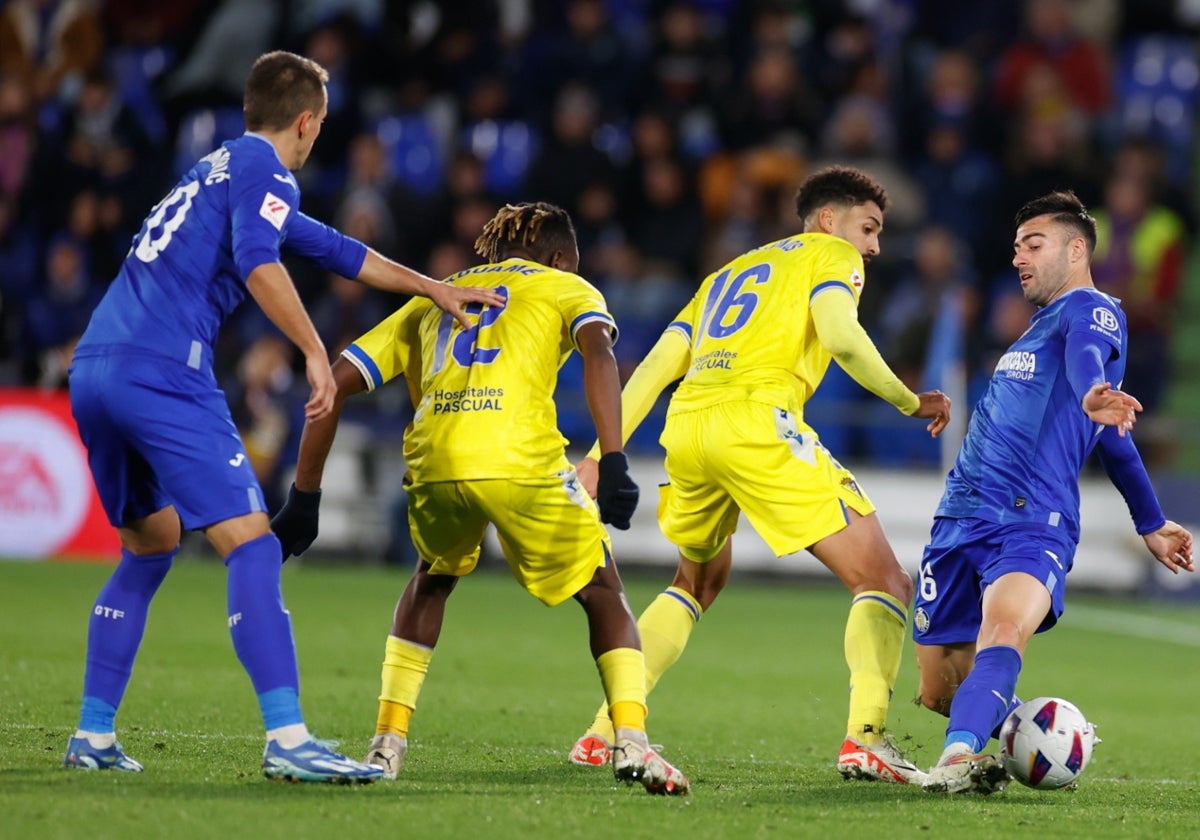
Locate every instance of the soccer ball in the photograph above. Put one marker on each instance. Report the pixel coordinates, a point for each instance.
(1046, 743)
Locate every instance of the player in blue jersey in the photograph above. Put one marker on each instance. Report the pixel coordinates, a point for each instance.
(162, 446)
(1004, 535)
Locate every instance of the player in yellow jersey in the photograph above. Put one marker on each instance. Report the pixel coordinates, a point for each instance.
(484, 447)
(752, 346)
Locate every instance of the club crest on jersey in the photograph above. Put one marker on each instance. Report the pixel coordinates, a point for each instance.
(921, 619)
(274, 209)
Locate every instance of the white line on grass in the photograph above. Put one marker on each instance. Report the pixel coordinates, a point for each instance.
(1127, 624)
(199, 736)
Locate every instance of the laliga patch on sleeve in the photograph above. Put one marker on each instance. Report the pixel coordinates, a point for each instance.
(275, 210)
(856, 280)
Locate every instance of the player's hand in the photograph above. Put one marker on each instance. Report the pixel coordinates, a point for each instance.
(454, 299)
(1171, 545)
(324, 388)
(1107, 406)
(587, 473)
(296, 523)
(935, 407)
(616, 491)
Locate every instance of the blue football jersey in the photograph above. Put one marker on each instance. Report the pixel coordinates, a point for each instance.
(1028, 436)
(186, 270)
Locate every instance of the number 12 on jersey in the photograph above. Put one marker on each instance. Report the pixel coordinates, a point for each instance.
(465, 348)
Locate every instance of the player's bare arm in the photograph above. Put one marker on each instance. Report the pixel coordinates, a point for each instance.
(381, 273)
(272, 289)
(1172, 546)
(317, 437)
(1108, 406)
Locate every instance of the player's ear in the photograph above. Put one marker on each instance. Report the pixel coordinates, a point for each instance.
(825, 220)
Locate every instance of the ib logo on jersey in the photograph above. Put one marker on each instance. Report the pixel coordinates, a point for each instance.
(44, 483)
(1106, 318)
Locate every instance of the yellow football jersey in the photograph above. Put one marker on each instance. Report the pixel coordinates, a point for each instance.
(749, 327)
(484, 397)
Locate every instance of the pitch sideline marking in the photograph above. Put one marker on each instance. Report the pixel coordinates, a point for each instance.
(1126, 624)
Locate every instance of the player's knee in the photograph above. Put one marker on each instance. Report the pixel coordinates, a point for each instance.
(936, 700)
(898, 583)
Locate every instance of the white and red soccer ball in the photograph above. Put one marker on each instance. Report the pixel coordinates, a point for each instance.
(1046, 743)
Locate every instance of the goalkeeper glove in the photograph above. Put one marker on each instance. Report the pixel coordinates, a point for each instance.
(616, 491)
(296, 522)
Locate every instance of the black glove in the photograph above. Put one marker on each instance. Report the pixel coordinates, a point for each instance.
(296, 522)
(616, 492)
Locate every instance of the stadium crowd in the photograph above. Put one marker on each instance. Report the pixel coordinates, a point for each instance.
(675, 133)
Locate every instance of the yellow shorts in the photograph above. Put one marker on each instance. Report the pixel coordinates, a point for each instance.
(549, 529)
(756, 459)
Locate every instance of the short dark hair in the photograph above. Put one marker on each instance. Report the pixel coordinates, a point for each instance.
(539, 228)
(844, 186)
(1067, 210)
(281, 86)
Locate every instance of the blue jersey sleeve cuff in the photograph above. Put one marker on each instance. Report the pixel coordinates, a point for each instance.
(830, 284)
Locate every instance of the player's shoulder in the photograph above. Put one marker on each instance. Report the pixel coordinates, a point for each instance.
(1094, 310)
(253, 156)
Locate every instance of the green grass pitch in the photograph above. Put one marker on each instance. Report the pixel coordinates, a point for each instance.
(754, 713)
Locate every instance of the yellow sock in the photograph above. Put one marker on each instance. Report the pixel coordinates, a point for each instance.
(404, 667)
(665, 627)
(623, 674)
(874, 641)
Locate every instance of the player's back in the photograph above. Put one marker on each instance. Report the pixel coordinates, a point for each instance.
(181, 278)
(486, 402)
(750, 327)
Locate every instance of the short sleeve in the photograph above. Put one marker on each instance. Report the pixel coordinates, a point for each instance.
(581, 303)
(837, 266)
(386, 350)
(261, 204)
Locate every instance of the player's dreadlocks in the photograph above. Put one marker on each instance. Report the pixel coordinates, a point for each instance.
(539, 229)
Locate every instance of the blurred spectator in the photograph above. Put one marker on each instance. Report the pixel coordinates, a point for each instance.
(1052, 40)
(1139, 259)
(268, 410)
(56, 316)
(18, 140)
(49, 45)
(670, 225)
(960, 184)
(589, 53)
(569, 159)
(773, 103)
(860, 133)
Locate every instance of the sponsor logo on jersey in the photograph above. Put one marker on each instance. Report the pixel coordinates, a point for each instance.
(467, 399)
(275, 210)
(237, 460)
(1018, 364)
(1106, 323)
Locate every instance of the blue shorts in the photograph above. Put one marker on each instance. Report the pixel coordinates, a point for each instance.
(965, 556)
(160, 433)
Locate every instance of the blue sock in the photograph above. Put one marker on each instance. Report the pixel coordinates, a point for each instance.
(115, 632)
(983, 699)
(1016, 701)
(262, 629)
